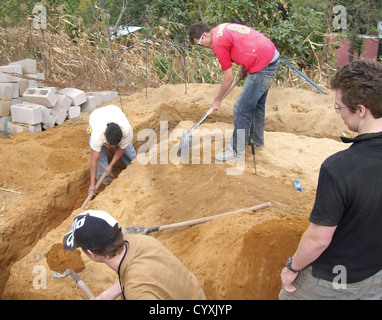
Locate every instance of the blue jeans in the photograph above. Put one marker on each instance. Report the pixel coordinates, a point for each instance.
(249, 108)
(128, 156)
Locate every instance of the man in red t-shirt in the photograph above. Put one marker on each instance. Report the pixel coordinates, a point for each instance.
(258, 58)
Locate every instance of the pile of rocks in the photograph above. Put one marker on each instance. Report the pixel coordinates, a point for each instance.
(25, 104)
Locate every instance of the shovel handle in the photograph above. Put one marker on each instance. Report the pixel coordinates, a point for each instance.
(84, 288)
(202, 220)
(91, 194)
(233, 85)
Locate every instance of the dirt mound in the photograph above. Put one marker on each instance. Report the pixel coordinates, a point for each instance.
(235, 257)
(58, 259)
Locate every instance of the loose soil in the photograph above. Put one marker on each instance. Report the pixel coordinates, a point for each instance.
(238, 256)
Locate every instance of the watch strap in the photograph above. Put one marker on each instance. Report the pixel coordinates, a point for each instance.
(289, 265)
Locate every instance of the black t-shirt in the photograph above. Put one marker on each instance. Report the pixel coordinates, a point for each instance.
(349, 196)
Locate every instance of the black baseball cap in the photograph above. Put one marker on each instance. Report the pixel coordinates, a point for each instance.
(91, 230)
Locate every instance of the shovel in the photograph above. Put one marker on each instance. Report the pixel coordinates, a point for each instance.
(141, 230)
(186, 139)
(91, 194)
(77, 279)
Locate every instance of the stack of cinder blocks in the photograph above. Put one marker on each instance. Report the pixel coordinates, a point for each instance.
(26, 104)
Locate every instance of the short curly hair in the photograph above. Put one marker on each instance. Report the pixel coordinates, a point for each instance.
(360, 82)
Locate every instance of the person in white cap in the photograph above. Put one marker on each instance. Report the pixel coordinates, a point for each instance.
(146, 269)
(108, 127)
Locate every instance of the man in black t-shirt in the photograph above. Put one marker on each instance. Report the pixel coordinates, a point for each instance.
(339, 255)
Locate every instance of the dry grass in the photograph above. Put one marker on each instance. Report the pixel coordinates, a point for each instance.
(86, 62)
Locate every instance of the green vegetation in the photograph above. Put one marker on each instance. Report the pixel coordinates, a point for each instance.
(298, 28)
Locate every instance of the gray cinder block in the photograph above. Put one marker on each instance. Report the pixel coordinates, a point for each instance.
(29, 114)
(6, 91)
(5, 108)
(78, 96)
(44, 96)
(27, 65)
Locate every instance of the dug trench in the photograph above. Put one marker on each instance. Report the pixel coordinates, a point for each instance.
(234, 257)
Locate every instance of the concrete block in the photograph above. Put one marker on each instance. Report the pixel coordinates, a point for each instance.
(113, 95)
(105, 96)
(45, 112)
(40, 76)
(27, 65)
(4, 123)
(15, 90)
(29, 114)
(63, 102)
(23, 86)
(32, 84)
(44, 96)
(78, 96)
(90, 104)
(15, 127)
(16, 101)
(61, 116)
(5, 108)
(6, 91)
(74, 112)
(50, 122)
(96, 94)
(6, 77)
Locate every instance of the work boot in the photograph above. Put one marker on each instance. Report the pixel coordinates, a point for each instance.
(229, 154)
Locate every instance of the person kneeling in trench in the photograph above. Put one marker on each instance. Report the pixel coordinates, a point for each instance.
(146, 269)
(108, 127)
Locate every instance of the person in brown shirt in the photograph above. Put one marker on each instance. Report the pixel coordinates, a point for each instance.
(146, 269)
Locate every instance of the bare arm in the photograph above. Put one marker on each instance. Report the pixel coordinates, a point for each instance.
(117, 155)
(226, 83)
(313, 242)
(94, 157)
(111, 293)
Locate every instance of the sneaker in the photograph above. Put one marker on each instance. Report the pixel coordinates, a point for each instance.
(229, 154)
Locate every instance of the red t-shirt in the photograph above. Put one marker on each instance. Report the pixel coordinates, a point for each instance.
(242, 45)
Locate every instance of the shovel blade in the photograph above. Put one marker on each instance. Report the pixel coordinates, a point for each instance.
(136, 230)
(185, 145)
(59, 275)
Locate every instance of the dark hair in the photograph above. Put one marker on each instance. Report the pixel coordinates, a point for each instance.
(116, 247)
(113, 134)
(361, 84)
(196, 30)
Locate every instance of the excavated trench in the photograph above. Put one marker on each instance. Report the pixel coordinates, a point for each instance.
(238, 257)
(39, 216)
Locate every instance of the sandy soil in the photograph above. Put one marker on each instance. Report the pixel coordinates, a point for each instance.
(239, 256)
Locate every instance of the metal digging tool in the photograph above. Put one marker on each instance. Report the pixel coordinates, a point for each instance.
(253, 152)
(186, 139)
(92, 194)
(77, 279)
(141, 230)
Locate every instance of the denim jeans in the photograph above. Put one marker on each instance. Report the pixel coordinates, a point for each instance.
(128, 156)
(249, 108)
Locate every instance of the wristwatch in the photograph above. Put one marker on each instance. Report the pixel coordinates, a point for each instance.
(289, 265)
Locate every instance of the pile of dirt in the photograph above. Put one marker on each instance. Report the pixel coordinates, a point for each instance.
(59, 259)
(235, 257)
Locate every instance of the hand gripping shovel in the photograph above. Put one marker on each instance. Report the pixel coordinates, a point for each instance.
(141, 230)
(92, 194)
(77, 279)
(186, 139)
